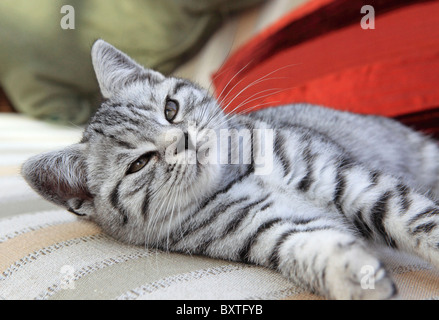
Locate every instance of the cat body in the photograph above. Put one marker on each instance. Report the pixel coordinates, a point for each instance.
(336, 182)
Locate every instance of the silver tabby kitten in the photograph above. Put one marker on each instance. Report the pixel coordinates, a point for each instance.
(338, 181)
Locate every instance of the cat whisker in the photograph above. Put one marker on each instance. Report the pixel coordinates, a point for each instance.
(179, 191)
(231, 115)
(261, 78)
(223, 100)
(176, 196)
(172, 195)
(225, 87)
(160, 213)
(152, 222)
(222, 64)
(252, 98)
(248, 87)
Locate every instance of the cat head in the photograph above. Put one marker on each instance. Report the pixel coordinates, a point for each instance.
(138, 162)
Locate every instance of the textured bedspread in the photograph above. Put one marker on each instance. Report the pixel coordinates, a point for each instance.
(48, 253)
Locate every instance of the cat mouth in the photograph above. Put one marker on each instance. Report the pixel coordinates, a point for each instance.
(187, 157)
(197, 161)
(190, 149)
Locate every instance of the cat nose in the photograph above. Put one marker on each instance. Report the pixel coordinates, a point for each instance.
(184, 144)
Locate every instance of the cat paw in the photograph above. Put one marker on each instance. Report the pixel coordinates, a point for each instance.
(357, 275)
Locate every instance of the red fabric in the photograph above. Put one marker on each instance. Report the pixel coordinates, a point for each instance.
(320, 54)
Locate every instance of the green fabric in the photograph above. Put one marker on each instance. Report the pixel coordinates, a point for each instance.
(46, 70)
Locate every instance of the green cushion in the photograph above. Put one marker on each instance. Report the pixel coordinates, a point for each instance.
(46, 70)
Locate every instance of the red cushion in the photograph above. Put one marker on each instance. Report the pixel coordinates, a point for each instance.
(320, 54)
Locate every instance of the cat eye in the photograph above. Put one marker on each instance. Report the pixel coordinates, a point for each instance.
(140, 163)
(171, 110)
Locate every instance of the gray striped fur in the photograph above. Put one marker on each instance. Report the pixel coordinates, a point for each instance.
(339, 182)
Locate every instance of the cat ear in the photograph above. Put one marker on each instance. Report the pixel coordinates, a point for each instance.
(114, 69)
(60, 177)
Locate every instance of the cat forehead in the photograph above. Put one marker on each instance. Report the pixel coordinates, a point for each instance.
(143, 92)
(154, 93)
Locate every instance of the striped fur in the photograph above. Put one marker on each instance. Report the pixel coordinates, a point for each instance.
(339, 182)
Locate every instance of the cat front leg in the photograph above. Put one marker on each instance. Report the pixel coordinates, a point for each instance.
(300, 241)
(305, 243)
(328, 261)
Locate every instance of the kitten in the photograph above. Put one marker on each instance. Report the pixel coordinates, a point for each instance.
(337, 181)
